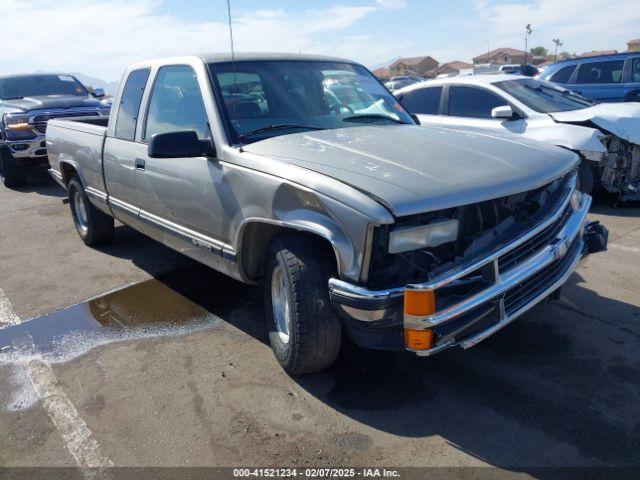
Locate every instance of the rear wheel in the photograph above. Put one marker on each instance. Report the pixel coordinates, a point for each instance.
(304, 330)
(93, 226)
(11, 174)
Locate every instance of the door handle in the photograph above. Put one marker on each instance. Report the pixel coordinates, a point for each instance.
(140, 164)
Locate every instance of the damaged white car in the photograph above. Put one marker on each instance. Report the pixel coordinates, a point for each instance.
(605, 135)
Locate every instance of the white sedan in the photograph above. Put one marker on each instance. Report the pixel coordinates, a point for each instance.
(605, 135)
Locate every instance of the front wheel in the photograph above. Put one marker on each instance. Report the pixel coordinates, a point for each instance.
(11, 174)
(304, 330)
(93, 226)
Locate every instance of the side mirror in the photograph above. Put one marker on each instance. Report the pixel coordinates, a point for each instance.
(98, 92)
(504, 113)
(179, 145)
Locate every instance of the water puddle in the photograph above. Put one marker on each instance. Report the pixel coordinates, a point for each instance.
(175, 304)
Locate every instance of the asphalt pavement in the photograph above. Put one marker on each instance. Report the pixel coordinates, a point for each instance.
(162, 362)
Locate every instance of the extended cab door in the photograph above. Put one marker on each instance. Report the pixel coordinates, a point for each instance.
(181, 197)
(119, 151)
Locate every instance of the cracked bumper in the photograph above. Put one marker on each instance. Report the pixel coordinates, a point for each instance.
(507, 292)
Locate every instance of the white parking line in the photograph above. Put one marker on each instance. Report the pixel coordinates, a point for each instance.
(7, 315)
(77, 436)
(78, 439)
(615, 246)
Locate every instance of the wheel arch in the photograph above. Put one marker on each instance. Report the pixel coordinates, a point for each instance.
(255, 234)
(68, 170)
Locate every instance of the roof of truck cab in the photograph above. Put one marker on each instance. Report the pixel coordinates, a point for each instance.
(35, 74)
(258, 56)
(240, 57)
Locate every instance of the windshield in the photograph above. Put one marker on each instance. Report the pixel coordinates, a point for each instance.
(542, 97)
(262, 99)
(40, 85)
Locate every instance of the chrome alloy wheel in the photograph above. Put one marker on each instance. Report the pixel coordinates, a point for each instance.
(280, 302)
(80, 212)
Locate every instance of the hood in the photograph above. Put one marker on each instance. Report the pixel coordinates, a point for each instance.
(27, 104)
(412, 169)
(621, 119)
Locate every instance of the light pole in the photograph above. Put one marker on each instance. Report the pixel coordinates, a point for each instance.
(526, 42)
(558, 44)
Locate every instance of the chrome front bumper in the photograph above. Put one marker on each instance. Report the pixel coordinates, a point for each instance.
(508, 294)
(31, 148)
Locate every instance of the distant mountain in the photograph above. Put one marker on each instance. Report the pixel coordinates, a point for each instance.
(109, 87)
(384, 64)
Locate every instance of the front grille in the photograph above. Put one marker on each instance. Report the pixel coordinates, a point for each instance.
(532, 287)
(535, 244)
(40, 121)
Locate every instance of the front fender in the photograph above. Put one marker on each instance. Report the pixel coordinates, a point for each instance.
(573, 137)
(347, 230)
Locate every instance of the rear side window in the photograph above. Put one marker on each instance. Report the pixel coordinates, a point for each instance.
(601, 72)
(635, 70)
(176, 103)
(563, 75)
(424, 100)
(130, 104)
(473, 102)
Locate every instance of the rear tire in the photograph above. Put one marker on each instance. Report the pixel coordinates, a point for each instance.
(304, 331)
(93, 226)
(11, 174)
(586, 178)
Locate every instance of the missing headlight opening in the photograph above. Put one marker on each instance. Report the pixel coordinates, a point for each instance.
(482, 227)
(621, 168)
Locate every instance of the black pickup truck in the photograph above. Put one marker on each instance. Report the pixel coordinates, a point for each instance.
(27, 102)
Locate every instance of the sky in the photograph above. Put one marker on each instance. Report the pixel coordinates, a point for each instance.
(100, 38)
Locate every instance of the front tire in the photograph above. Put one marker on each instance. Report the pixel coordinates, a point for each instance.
(93, 226)
(304, 330)
(11, 174)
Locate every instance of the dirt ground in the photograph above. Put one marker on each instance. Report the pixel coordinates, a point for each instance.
(175, 370)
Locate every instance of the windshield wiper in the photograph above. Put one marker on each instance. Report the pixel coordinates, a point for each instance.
(19, 97)
(280, 126)
(372, 116)
(576, 96)
(539, 90)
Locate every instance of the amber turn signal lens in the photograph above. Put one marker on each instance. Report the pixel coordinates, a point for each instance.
(419, 302)
(18, 126)
(418, 339)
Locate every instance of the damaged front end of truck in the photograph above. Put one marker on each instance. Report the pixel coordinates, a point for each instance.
(505, 256)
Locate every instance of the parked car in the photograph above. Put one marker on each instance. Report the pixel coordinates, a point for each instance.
(27, 102)
(605, 135)
(413, 78)
(607, 78)
(396, 83)
(527, 70)
(352, 218)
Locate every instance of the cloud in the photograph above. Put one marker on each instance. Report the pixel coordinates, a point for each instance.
(574, 21)
(392, 4)
(101, 37)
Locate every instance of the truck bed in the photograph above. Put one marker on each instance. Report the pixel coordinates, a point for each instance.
(77, 141)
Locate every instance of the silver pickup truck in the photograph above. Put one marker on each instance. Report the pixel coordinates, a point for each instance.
(305, 174)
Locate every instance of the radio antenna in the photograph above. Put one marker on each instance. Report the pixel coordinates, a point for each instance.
(233, 53)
